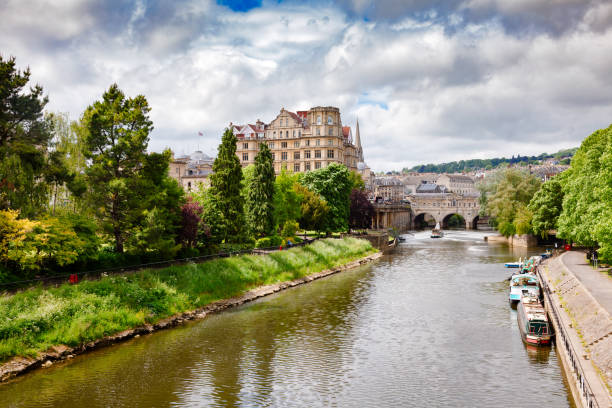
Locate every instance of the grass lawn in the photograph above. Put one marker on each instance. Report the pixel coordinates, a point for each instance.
(38, 318)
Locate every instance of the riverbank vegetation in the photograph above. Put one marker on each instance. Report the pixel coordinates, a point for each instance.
(87, 194)
(576, 205)
(38, 318)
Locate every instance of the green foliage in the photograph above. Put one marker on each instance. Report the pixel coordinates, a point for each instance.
(587, 201)
(24, 140)
(522, 220)
(313, 209)
(287, 201)
(512, 192)
(36, 319)
(224, 189)
(290, 228)
(334, 184)
(117, 137)
(546, 206)
(259, 203)
(357, 182)
(488, 164)
(272, 241)
(506, 228)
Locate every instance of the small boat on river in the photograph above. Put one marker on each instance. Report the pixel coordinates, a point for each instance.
(437, 232)
(513, 264)
(533, 321)
(523, 284)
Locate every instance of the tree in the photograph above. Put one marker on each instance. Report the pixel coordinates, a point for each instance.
(313, 209)
(356, 181)
(514, 190)
(24, 139)
(225, 188)
(260, 194)
(361, 210)
(587, 202)
(546, 206)
(287, 201)
(117, 137)
(334, 184)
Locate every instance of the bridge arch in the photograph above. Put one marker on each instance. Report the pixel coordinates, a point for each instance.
(454, 220)
(424, 220)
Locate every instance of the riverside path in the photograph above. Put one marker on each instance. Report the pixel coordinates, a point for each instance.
(596, 281)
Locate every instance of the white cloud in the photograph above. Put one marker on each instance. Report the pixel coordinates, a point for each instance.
(422, 93)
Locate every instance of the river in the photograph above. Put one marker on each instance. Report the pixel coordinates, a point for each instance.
(427, 326)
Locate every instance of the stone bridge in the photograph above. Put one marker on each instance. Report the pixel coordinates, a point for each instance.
(441, 206)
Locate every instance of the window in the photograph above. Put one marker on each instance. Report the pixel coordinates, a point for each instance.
(318, 120)
(273, 156)
(317, 154)
(287, 134)
(307, 154)
(189, 185)
(296, 155)
(294, 133)
(299, 133)
(296, 144)
(331, 131)
(330, 154)
(318, 131)
(329, 120)
(245, 145)
(245, 157)
(177, 170)
(284, 156)
(296, 167)
(284, 145)
(307, 166)
(274, 134)
(330, 142)
(317, 165)
(307, 142)
(271, 145)
(318, 142)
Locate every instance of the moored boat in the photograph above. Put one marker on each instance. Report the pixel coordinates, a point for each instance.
(533, 321)
(521, 284)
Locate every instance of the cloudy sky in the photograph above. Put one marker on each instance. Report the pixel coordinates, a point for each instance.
(430, 80)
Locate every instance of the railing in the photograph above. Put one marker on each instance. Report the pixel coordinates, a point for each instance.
(74, 277)
(577, 369)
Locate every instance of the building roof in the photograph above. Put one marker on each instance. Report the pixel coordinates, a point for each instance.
(387, 181)
(429, 188)
(459, 178)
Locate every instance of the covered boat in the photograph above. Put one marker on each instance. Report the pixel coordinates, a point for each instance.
(437, 231)
(533, 321)
(524, 283)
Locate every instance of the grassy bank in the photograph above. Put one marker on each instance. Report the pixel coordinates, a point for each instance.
(38, 318)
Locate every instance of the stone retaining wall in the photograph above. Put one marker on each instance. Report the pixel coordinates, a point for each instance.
(591, 323)
(21, 365)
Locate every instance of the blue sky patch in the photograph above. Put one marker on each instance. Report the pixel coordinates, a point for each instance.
(240, 5)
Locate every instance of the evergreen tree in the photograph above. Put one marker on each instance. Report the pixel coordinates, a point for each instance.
(260, 194)
(24, 139)
(117, 137)
(225, 188)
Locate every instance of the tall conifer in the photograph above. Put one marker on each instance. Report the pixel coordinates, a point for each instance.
(260, 195)
(225, 187)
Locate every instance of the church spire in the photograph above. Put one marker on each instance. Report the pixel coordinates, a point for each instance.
(358, 142)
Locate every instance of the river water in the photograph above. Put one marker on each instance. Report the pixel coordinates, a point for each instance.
(428, 326)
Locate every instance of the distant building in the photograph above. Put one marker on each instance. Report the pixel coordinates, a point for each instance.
(192, 171)
(546, 172)
(430, 188)
(458, 183)
(388, 188)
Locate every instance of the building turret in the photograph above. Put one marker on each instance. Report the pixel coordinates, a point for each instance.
(358, 143)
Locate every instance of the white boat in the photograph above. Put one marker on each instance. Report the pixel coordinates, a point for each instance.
(437, 231)
(523, 284)
(533, 321)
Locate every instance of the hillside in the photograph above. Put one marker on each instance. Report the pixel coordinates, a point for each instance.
(563, 156)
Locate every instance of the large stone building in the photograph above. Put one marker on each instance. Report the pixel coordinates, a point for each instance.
(458, 183)
(302, 141)
(192, 171)
(388, 188)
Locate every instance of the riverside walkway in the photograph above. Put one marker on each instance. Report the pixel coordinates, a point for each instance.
(596, 281)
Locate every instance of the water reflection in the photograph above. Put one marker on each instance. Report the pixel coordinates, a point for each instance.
(428, 325)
